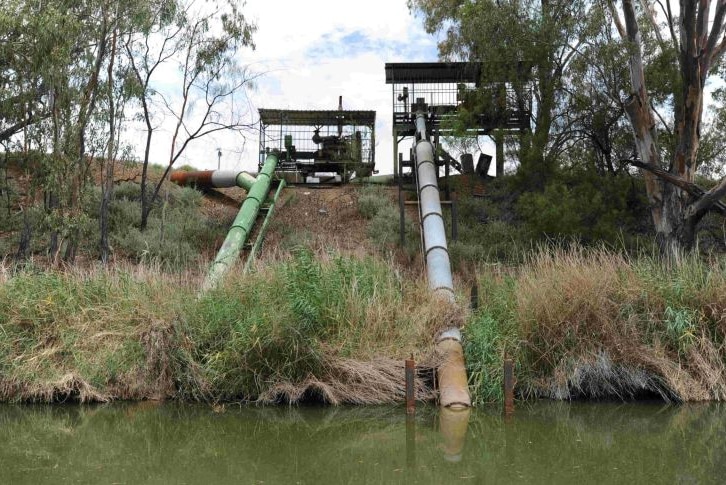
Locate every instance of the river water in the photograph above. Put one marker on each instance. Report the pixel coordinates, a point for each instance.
(544, 442)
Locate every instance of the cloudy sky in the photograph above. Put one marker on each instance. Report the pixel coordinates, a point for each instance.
(312, 52)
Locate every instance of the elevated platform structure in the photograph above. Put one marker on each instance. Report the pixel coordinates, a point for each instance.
(319, 146)
(450, 89)
(447, 87)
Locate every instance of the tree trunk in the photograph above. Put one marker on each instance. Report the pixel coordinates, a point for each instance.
(110, 155)
(26, 236)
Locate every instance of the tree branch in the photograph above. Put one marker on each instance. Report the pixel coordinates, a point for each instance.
(689, 187)
(616, 18)
(707, 200)
(711, 44)
(651, 18)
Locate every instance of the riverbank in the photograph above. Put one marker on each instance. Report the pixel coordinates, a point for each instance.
(325, 327)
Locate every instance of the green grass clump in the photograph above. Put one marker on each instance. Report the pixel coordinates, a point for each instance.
(490, 336)
(139, 333)
(284, 325)
(384, 226)
(80, 335)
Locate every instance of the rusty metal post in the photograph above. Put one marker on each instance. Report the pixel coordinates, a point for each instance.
(508, 387)
(410, 386)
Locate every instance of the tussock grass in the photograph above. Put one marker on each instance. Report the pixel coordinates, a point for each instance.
(580, 323)
(596, 324)
(305, 326)
(337, 327)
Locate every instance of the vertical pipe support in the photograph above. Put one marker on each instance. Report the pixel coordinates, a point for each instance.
(263, 229)
(499, 141)
(401, 207)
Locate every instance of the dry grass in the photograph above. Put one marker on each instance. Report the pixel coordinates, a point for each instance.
(304, 326)
(378, 381)
(594, 324)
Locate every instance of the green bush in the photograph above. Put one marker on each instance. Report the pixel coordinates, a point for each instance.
(272, 327)
(588, 207)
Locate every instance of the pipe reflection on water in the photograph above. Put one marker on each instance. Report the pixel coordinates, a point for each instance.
(453, 424)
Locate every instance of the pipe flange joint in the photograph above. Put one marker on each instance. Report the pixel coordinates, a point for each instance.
(449, 334)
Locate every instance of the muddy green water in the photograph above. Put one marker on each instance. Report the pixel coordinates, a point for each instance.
(545, 442)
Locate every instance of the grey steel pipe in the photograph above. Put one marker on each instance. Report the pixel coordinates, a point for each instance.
(436, 251)
(214, 179)
(453, 385)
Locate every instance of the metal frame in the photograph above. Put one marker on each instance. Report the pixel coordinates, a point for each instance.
(346, 142)
(445, 88)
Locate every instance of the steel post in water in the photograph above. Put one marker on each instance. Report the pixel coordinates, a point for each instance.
(411, 441)
(508, 387)
(410, 386)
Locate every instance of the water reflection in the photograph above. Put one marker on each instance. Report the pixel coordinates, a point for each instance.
(544, 442)
(453, 425)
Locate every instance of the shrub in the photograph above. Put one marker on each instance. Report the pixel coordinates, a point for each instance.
(371, 200)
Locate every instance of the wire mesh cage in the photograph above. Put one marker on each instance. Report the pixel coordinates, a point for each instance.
(448, 88)
(336, 142)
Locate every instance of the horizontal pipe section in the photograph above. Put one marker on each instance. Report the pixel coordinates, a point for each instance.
(242, 225)
(219, 179)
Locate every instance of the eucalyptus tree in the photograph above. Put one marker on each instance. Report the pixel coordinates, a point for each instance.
(529, 43)
(26, 45)
(693, 43)
(61, 48)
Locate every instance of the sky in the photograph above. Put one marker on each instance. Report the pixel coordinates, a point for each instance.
(309, 53)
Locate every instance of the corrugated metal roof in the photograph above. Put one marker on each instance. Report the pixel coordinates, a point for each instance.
(432, 72)
(316, 118)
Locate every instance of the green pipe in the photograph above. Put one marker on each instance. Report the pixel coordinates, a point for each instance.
(263, 229)
(242, 225)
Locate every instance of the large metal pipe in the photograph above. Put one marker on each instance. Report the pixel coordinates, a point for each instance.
(220, 179)
(242, 225)
(436, 252)
(453, 386)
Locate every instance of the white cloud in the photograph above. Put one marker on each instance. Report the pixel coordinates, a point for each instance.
(312, 52)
